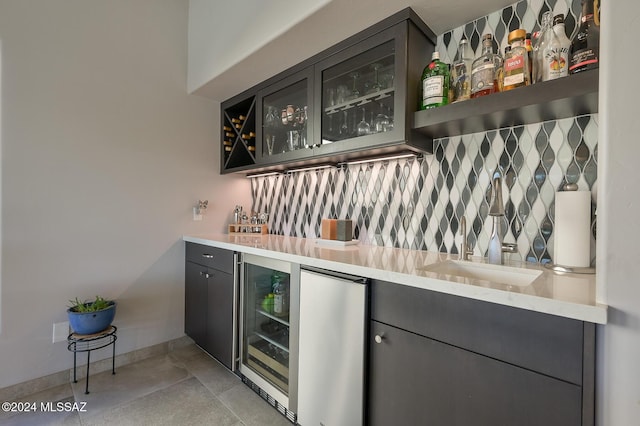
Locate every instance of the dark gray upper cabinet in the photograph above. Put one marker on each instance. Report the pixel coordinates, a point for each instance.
(285, 131)
(367, 92)
(310, 113)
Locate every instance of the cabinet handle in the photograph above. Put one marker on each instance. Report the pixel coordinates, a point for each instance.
(204, 274)
(379, 338)
(207, 256)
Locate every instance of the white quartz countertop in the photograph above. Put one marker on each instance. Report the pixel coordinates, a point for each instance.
(566, 295)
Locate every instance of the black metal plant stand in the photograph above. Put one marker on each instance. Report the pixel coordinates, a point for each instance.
(91, 342)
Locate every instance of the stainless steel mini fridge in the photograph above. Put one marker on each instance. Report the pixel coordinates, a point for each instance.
(333, 313)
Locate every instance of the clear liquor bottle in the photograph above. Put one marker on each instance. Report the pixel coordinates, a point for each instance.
(516, 62)
(436, 81)
(538, 48)
(461, 73)
(585, 45)
(485, 70)
(556, 54)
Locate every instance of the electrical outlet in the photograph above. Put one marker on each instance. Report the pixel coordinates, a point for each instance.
(60, 331)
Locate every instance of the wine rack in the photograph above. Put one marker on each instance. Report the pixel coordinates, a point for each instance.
(239, 134)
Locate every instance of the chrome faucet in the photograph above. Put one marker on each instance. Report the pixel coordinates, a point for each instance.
(465, 249)
(496, 211)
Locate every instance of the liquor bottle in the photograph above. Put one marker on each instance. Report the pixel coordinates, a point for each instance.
(516, 62)
(436, 81)
(280, 302)
(485, 70)
(529, 47)
(461, 73)
(585, 46)
(538, 48)
(556, 53)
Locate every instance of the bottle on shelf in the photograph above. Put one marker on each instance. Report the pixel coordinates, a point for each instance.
(529, 47)
(436, 82)
(556, 53)
(585, 45)
(249, 139)
(280, 295)
(485, 70)
(461, 73)
(545, 33)
(516, 62)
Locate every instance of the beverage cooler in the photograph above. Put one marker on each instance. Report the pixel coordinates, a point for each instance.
(269, 328)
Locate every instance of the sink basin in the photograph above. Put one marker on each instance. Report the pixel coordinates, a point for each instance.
(507, 275)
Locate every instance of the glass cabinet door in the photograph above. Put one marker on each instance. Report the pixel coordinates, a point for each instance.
(266, 326)
(285, 110)
(358, 95)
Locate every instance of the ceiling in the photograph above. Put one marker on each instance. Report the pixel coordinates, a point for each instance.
(329, 25)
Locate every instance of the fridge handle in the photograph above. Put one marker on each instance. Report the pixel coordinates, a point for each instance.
(334, 274)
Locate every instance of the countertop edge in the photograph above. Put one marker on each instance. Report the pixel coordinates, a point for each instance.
(582, 312)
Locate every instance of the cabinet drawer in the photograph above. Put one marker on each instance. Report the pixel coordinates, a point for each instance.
(544, 343)
(213, 257)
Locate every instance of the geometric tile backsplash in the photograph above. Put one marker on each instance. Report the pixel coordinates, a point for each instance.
(418, 202)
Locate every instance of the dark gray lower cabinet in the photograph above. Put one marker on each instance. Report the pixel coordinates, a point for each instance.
(195, 303)
(436, 359)
(419, 381)
(209, 302)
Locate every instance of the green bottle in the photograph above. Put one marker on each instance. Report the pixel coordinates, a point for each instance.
(436, 82)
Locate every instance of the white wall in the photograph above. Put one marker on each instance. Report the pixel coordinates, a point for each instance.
(221, 33)
(618, 390)
(103, 156)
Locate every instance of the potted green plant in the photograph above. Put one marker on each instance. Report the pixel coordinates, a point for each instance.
(90, 317)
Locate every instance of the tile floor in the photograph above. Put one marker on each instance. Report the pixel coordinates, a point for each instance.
(184, 387)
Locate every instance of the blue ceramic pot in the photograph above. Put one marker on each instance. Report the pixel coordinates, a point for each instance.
(91, 322)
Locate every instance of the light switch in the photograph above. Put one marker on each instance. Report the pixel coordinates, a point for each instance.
(196, 214)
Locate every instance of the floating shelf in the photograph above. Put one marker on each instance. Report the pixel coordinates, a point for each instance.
(550, 100)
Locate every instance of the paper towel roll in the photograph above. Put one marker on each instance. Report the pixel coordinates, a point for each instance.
(572, 242)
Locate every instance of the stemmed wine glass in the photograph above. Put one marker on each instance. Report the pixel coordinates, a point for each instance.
(363, 126)
(270, 119)
(381, 122)
(355, 93)
(376, 86)
(344, 128)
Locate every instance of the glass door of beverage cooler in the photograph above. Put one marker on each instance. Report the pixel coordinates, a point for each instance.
(286, 111)
(269, 326)
(360, 96)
